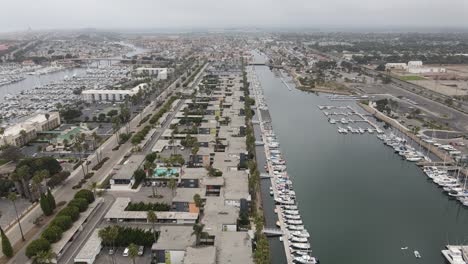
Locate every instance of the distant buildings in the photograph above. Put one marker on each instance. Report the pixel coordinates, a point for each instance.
(414, 67)
(111, 95)
(161, 73)
(23, 132)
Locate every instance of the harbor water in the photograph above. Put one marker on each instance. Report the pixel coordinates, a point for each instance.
(360, 202)
(32, 81)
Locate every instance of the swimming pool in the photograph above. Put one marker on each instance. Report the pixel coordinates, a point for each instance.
(165, 172)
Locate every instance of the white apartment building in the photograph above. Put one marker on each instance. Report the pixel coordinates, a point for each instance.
(111, 95)
(160, 72)
(23, 132)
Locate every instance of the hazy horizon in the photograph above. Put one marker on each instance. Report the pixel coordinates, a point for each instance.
(185, 14)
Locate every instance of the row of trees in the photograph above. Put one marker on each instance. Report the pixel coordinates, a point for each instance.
(39, 250)
(262, 250)
(119, 236)
(141, 206)
(155, 118)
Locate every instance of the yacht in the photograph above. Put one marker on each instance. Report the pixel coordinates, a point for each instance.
(306, 259)
(302, 233)
(298, 239)
(300, 245)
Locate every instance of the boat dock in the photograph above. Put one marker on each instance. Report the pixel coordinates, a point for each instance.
(290, 229)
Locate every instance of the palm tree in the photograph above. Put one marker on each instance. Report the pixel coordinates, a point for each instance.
(198, 231)
(12, 197)
(172, 185)
(152, 218)
(23, 136)
(116, 126)
(93, 187)
(132, 252)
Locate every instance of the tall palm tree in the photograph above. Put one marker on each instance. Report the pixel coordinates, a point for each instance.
(198, 231)
(152, 218)
(132, 252)
(116, 126)
(93, 187)
(172, 185)
(12, 197)
(23, 136)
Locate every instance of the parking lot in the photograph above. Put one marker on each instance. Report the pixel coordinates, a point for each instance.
(105, 258)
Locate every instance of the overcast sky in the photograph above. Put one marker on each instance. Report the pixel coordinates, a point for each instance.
(51, 14)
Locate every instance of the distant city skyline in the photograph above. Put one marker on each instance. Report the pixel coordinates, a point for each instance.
(187, 14)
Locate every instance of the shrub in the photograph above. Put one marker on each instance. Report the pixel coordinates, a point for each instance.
(62, 221)
(52, 233)
(37, 246)
(85, 194)
(71, 211)
(81, 203)
(46, 205)
(7, 249)
(141, 206)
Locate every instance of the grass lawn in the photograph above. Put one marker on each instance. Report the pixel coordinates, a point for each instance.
(412, 78)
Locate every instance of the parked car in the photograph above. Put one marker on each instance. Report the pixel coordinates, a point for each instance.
(111, 251)
(125, 253)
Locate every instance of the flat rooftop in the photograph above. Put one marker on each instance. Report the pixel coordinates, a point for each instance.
(200, 255)
(186, 194)
(217, 214)
(234, 247)
(91, 248)
(126, 170)
(174, 238)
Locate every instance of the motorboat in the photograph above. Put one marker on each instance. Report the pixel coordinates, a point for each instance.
(302, 233)
(298, 239)
(294, 222)
(295, 227)
(300, 245)
(293, 217)
(306, 259)
(417, 254)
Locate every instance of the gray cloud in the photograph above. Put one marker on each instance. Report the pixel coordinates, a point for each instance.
(49, 14)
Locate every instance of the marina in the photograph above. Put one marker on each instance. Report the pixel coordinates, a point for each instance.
(290, 226)
(353, 194)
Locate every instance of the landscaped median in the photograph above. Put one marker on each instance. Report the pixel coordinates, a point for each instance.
(42, 248)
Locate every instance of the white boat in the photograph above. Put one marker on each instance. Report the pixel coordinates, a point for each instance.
(296, 227)
(300, 245)
(302, 233)
(298, 239)
(306, 259)
(293, 217)
(417, 254)
(294, 222)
